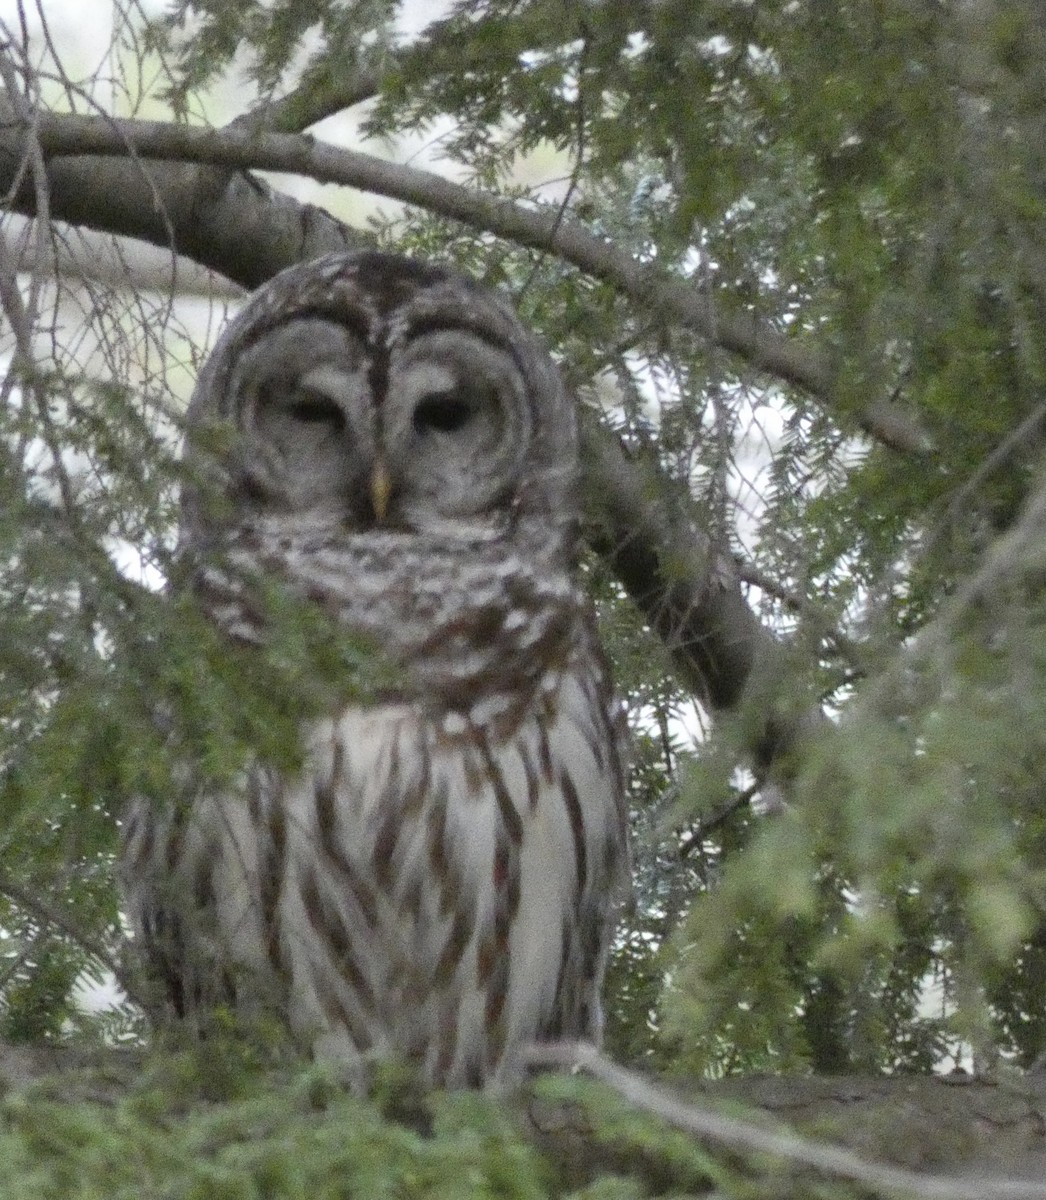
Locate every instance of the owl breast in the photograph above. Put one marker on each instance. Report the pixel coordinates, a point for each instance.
(424, 890)
(434, 883)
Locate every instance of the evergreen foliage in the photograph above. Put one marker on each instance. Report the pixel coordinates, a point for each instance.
(238, 1126)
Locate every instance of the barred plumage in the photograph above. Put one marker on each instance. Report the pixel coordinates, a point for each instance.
(440, 882)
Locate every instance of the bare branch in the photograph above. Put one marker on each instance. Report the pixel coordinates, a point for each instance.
(1020, 549)
(809, 610)
(113, 261)
(1010, 446)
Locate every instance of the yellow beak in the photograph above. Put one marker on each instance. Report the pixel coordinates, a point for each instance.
(380, 488)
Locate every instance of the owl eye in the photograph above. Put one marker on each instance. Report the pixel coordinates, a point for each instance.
(316, 410)
(443, 412)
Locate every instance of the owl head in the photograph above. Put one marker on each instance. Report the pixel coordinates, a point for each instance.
(367, 391)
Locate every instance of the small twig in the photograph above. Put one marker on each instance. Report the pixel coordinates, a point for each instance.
(29, 113)
(1007, 447)
(750, 1138)
(719, 817)
(802, 606)
(1011, 550)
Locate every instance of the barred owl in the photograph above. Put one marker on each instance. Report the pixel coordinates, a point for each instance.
(439, 883)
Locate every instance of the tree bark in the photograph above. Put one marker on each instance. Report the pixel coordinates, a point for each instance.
(937, 1137)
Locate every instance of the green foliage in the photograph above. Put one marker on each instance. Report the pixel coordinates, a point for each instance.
(274, 38)
(228, 1125)
(304, 1138)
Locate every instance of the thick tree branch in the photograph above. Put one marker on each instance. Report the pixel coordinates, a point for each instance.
(671, 570)
(676, 300)
(226, 221)
(688, 592)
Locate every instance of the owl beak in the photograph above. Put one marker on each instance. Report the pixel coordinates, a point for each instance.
(380, 489)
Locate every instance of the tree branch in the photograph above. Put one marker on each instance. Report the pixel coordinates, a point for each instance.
(226, 221)
(751, 1139)
(340, 81)
(672, 299)
(312, 102)
(670, 569)
(690, 595)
